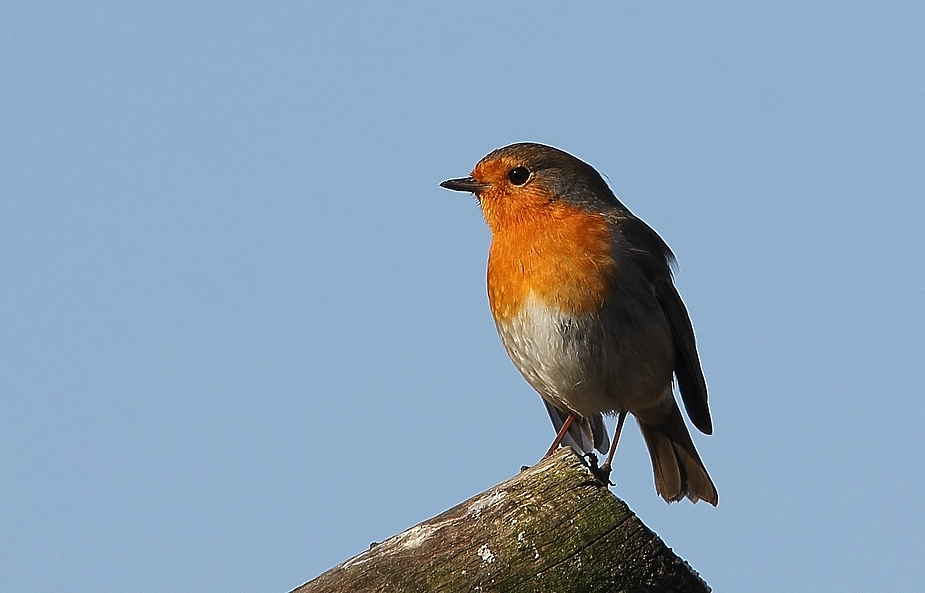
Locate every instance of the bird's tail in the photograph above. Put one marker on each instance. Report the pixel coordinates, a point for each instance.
(679, 472)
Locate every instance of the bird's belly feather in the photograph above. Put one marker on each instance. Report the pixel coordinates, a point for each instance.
(584, 363)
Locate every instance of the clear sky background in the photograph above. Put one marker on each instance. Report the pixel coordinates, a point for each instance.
(243, 332)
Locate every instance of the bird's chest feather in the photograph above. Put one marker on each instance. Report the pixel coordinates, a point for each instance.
(561, 257)
(547, 285)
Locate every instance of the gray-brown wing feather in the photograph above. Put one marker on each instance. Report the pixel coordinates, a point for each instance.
(687, 370)
(655, 259)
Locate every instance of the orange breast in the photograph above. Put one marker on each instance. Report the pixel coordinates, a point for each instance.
(564, 256)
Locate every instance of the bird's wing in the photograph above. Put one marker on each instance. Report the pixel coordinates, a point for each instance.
(655, 259)
(691, 384)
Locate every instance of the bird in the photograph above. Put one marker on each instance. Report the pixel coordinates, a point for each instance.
(583, 297)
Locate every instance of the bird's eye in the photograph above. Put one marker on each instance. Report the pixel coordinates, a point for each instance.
(518, 175)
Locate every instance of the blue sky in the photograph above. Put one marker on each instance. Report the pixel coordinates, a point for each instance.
(244, 333)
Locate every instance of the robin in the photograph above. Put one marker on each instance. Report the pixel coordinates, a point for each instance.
(584, 302)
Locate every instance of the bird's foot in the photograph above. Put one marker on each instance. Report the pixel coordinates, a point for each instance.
(602, 473)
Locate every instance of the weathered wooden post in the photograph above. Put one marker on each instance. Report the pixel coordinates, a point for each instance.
(552, 528)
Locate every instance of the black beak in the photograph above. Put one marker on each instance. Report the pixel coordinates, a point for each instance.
(465, 184)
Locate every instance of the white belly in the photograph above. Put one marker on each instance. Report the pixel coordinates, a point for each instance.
(587, 364)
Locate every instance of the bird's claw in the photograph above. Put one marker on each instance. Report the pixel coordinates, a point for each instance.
(602, 473)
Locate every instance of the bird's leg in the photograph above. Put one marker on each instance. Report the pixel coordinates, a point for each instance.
(561, 435)
(606, 468)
